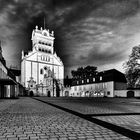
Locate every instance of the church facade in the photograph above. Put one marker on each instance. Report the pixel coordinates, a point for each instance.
(42, 71)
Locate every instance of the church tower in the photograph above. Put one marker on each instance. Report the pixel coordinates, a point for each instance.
(43, 40)
(41, 66)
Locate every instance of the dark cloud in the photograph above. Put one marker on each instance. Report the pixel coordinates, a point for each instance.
(98, 32)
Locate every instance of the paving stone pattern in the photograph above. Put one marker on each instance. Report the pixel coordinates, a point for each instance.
(26, 118)
(131, 122)
(97, 105)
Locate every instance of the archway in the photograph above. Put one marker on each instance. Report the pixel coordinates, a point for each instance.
(130, 94)
(31, 93)
(49, 94)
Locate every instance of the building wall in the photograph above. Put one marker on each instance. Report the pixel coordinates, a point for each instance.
(123, 93)
(120, 86)
(31, 68)
(137, 93)
(23, 68)
(106, 88)
(3, 71)
(120, 93)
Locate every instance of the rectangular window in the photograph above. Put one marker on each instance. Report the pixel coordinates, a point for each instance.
(41, 71)
(93, 79)
(82, 81)
(87, 80)
(101, 78)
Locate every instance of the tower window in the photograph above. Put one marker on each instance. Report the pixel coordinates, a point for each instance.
(41, 71)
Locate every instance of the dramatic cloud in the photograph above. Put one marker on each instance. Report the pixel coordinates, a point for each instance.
(87, 32)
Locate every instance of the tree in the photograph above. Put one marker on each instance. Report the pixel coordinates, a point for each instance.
(82, 72)
(132, 68)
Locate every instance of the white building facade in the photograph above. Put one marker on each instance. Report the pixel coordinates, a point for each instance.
(105, 84)
(42, 71)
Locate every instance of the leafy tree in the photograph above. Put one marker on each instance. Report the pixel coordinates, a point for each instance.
(132, 68)
(82, 72)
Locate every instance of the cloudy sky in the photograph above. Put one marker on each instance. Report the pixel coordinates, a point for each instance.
(88, 32)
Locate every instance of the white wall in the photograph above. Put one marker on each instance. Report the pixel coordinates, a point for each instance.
(120, 93)
(137, 93)
(27, 72)
(123, 93)
(106, 87)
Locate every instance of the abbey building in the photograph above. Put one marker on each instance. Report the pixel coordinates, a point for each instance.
(42, 71)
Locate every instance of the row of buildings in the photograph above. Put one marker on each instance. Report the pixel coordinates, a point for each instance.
(42, 74)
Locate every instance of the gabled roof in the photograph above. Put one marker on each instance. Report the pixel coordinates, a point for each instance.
(104, 76)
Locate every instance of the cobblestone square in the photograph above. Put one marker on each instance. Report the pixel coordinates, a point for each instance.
(26, 118)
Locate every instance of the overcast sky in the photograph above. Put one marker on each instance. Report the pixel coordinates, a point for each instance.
(88, 32)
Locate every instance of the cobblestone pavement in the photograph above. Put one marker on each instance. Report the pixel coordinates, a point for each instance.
(131, 122)
(97, 105)
(26, 118)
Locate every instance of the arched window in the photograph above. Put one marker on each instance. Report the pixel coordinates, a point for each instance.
(39, 49)
(41, 71)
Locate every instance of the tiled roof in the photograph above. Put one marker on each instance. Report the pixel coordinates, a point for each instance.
(104, 76)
